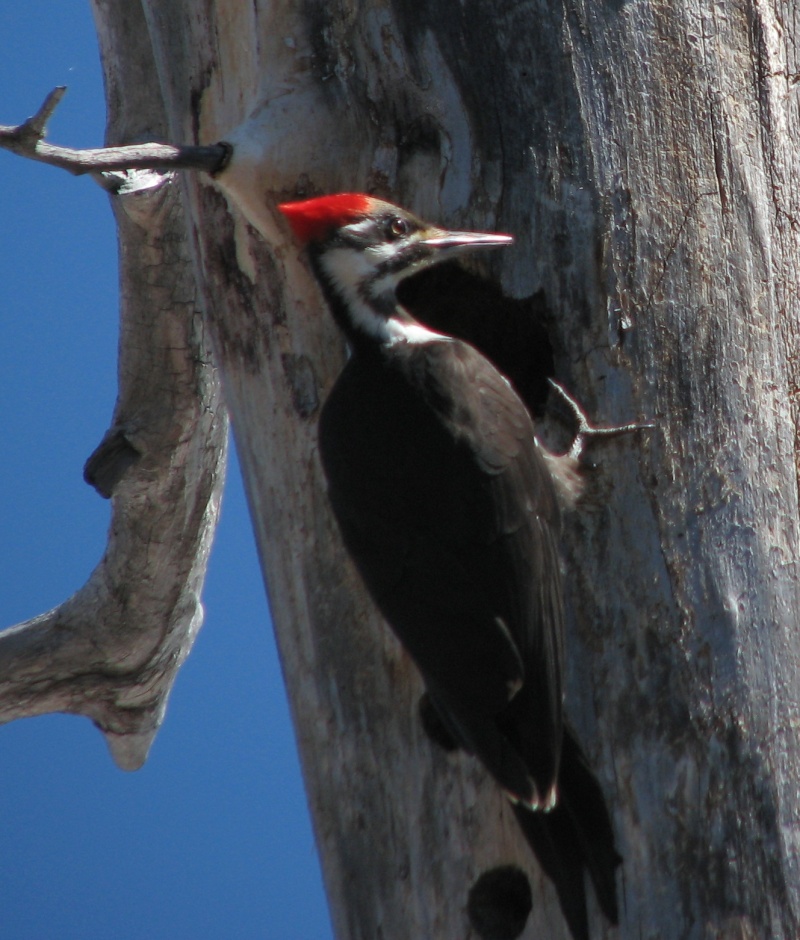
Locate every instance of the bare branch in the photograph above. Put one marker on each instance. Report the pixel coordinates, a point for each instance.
(36, 126)
(112, 650)
(27, 140)
(61, 661)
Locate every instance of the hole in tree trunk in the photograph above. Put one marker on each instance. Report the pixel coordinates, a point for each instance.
(499, 903)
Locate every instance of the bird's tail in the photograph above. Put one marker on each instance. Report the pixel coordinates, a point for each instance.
(576, 836)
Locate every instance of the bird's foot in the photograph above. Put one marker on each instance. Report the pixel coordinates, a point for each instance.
(587, 432)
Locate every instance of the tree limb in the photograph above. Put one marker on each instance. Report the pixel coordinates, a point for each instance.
(27, 140)
(112, 650)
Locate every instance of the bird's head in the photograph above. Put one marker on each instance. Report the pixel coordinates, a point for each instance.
(363, 247)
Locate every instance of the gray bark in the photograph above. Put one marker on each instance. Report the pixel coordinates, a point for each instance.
(112, 650)
(642, 156)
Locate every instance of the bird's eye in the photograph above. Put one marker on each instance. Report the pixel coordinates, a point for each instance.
(399, 227)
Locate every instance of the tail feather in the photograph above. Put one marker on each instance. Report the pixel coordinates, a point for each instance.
(575, 837)
(584, 801)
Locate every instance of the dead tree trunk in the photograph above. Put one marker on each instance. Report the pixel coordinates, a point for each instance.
(643, 157)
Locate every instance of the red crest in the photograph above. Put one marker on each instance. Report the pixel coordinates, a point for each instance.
(313, 220)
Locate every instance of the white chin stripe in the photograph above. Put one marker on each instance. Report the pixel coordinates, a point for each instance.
(348, 270)
(389, 332)
(400, 331)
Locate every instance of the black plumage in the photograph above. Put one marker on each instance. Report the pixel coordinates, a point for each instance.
(447, 505)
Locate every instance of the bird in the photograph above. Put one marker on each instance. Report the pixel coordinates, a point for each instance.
(449, 507)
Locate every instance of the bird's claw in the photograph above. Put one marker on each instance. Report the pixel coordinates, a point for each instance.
(587, 431)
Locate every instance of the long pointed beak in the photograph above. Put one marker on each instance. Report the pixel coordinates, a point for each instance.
(455, 243)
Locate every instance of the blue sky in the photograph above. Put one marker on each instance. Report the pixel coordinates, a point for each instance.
(211, 839)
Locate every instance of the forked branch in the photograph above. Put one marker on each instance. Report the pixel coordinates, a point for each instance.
(27, 140)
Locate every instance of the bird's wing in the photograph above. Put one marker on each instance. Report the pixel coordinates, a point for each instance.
(446, 505)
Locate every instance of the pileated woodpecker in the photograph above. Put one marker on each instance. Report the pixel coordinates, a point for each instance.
(448, 506)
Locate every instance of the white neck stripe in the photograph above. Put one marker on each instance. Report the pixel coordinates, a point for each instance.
(347, 270)
(401, 331)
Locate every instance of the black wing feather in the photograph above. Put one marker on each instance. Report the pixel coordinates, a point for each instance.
(447, 507)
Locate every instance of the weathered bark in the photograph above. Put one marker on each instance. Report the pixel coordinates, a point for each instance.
(112, 650)
(641, 154)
